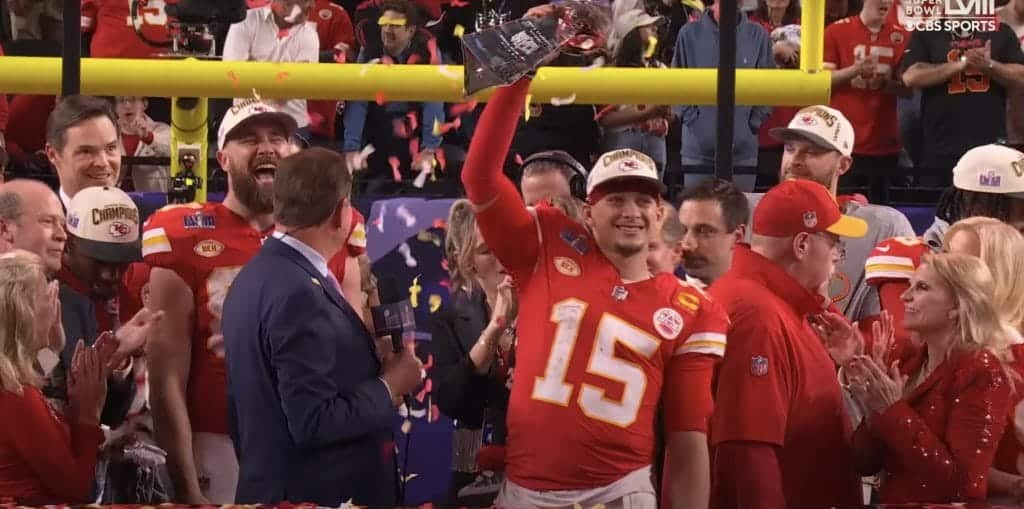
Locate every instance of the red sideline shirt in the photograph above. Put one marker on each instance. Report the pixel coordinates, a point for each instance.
(43, 459)
(871, 111)
(777, 386)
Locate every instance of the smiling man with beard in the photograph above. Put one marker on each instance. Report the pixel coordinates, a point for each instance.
(195, 251)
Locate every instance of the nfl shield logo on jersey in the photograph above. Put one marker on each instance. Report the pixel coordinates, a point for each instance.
(758, 365)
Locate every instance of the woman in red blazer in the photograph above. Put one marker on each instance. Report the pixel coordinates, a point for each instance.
(44, 458)
(933, 425)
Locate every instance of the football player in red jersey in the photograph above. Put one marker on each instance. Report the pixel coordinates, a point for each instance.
(195, 252)
(600, 340)
(116, 30)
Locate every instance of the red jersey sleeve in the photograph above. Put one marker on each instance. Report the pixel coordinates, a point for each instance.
(61, 457)
(894, 259)
(688, 393)
(754, 385)
(165, 242)
(131, 300)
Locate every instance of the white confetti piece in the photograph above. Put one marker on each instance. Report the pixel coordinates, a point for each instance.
(448, 73)
(563, 101)
(294, 15)
(411, 477)
(421, 179)
(598, 62)
(403, 213)
(406, 253)
(406, 426)
(366, 67)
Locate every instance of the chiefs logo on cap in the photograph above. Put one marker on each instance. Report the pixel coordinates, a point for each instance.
(628, 165)
(119, 229)
(807, 120)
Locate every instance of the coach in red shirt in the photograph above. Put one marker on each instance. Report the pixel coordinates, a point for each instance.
(780, 428)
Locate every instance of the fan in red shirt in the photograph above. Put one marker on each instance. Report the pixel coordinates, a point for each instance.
(865, 52)
(337, 44)
(600, 340)
(195, 252)
(115, 27)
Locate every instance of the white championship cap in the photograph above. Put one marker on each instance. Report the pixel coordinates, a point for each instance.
(105, 224)
(992, 169)
(824, 126)
(247, 110)
(622, 164)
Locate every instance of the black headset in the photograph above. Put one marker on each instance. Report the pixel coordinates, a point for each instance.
(578, 180)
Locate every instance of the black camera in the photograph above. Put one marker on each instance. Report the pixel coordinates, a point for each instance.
(208, 11)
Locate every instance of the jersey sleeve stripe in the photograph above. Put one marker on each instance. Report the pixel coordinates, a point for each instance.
(878, 268)
(155, 241)
(884, 275)
(890, 260)
(703, 342)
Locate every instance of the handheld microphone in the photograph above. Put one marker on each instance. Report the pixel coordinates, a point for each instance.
(394, 316)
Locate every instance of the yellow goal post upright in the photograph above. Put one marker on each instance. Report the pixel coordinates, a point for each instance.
(191, 78)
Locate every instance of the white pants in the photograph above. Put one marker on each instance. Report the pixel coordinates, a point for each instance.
(216, 467)
(634, 491)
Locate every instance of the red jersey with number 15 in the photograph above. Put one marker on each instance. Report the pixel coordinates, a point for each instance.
(114, 27)
(206, 245)
(593, 358)
(871, 110)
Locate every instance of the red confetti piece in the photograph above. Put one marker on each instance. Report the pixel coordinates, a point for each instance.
(445, 283)
(282, 33)
(393, 161)
(444, 264)
(519, 159)
(413, 122)
(233, 77)
(400, 129)
(379, 98)
(435, 58)
(439, 223)
(441, 161)
(413, 59)
(430, 361)
(459, 3)
(414, 148)
(281, 76)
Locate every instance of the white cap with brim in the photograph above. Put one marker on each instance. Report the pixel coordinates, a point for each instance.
(992, 169)
(105, 224)
(623, 164)
(248, 110)
(821, 125)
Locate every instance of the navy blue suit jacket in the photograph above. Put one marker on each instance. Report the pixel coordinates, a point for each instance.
(309, 418)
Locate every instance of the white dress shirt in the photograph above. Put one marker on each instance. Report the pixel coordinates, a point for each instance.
(257, 38)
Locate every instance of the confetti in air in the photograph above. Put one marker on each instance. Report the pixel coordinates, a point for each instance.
(406, 426)
(413, 120)
(379, 222)
(379, 98)
(294, 15)
(563, 101)
(366, 67)
(439, 223)
(598, 62)
(410, 477)
(459, 31)
(519, 159)
(421, 179)
(652, 44)
(415, 289)
(526, 108)
(448, 73)
(410, 262)
(234, 78)
(395, 173)
(435, 302)
(403, 213)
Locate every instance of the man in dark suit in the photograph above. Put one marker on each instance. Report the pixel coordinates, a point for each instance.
(310, 409)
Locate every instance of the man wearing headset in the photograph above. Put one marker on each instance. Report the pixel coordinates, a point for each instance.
(551, 174)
